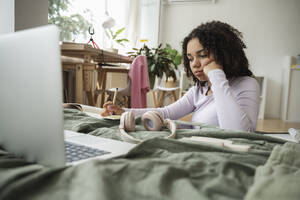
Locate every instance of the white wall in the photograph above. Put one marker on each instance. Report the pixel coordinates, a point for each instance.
(7, 16)
(271, 30)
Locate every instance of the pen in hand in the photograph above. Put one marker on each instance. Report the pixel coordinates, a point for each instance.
(115, 96)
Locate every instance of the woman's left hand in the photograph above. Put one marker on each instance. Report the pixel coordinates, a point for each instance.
(212, 65)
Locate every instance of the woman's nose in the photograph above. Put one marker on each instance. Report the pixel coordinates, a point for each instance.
(196, 63)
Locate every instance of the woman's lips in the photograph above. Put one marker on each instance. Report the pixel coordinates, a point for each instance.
(199, 73)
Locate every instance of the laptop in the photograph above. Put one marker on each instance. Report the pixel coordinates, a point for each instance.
(31, 115)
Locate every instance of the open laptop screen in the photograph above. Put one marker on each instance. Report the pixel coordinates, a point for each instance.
(31, 118)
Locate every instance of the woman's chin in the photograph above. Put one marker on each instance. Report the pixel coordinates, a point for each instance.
(202, 78)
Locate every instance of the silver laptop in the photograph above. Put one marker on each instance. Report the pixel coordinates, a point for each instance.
(31, 116)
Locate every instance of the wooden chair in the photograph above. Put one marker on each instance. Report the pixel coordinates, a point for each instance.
(163, 89)
(85, 80)
(102, 76)
(162, 93)
(123, 96)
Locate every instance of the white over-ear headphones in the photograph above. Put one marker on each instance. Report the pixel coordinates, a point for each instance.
(152, 121)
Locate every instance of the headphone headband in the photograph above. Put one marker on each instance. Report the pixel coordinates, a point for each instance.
(152, 120)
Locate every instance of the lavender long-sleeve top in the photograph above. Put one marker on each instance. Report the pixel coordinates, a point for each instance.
(233, 104)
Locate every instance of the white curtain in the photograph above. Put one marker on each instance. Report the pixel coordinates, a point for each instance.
(133, 22)
(126, 14)
(140, 19)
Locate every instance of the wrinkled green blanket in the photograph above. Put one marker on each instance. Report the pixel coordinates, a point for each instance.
(158, 168)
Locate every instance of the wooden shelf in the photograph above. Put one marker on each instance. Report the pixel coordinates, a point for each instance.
(90, 54)
(91, 71)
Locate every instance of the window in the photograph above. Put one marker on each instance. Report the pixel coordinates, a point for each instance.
(74, 17)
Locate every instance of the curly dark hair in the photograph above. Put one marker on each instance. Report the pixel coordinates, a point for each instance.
(225, 42)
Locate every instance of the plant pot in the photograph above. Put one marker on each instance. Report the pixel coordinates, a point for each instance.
(171, 84)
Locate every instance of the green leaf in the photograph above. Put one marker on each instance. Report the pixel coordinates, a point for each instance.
(120, 31)
(152, 67)
(160, 74)
(161, 60)
(70, 25)
(177, 60)
(121, 40)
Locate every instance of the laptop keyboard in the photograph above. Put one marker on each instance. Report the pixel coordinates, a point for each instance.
(76, 152)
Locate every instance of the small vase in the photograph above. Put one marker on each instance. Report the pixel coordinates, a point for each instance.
(171, 84)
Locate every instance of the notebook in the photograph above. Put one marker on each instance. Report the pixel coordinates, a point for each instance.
(31, 116)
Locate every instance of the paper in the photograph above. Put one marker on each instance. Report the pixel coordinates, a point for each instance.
(113, 117)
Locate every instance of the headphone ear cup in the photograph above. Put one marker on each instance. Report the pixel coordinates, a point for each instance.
(129, 121)
(153, 120)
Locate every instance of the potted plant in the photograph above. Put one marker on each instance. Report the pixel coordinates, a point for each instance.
(160, 60)
(114, 37)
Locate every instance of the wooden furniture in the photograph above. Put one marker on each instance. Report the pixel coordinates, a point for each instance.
(84, 73)
(162, 92)
(94, 60)
(123, 98)
(92, 55)
(275, 125)
(102, 79)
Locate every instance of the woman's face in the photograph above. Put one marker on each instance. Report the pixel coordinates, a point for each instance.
(198, 58)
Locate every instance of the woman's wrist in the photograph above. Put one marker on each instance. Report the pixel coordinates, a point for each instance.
(216, 78)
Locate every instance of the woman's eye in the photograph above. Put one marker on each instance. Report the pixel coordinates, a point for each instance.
(203, 56)
(190, 59)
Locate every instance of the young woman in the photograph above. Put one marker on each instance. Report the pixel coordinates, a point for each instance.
(225, 93)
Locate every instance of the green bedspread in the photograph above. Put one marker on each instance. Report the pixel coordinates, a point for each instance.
(161, 168)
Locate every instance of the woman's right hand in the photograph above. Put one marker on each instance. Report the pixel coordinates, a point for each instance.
(110, 109)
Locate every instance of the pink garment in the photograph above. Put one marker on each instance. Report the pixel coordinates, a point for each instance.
(139, 78)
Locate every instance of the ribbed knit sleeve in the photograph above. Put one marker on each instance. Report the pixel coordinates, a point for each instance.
(236, 108)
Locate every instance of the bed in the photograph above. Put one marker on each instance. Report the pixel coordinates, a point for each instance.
(160, 168)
